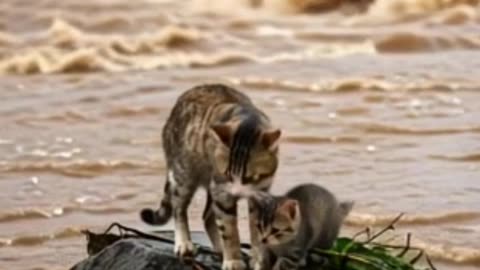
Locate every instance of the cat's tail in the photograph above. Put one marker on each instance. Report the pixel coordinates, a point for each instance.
(346, 207)
(161, 215)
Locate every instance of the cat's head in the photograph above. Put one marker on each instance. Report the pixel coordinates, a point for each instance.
(278, 220)
(247, 150)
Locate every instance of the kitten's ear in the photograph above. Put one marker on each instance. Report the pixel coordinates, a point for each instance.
(270, 138)
(290, 207)
(86, 233)
(223, 132)
(346, 207)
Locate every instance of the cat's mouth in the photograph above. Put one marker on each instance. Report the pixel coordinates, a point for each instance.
(240, 190)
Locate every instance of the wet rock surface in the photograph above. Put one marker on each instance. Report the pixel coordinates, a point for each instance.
(136, 253)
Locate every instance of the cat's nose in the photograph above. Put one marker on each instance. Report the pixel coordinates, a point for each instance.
(264, 240)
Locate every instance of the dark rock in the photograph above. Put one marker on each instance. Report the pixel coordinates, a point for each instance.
(149, 254)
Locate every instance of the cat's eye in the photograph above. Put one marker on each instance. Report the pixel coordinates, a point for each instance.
(275, 231)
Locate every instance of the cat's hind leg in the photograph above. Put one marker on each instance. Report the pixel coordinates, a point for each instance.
(182, 194)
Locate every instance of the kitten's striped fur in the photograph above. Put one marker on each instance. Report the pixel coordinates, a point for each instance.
(217, 139)
(307, 217)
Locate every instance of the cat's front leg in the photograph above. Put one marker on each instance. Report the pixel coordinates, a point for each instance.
(226, 214)
(256, 254)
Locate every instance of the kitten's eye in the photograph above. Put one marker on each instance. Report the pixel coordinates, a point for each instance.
(275, 231)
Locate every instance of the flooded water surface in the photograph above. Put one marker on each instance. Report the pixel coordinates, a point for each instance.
(379, 101)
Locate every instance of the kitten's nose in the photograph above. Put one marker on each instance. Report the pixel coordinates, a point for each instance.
(264, 240)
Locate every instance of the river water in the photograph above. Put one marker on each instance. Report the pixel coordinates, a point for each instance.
(379, 101)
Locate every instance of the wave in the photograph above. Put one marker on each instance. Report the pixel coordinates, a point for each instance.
(474, 157)
(366, 11)
(64, 35)
(28, 214)
(32, 240)
(301, 139)
(52, 60)
(79, 167)
(348, 85)
(68, 49)
(407, 10)
(25, 214)
(69, 116)
(450, 254)
(125, 111)
(382, 128)
(361, 220)
(421, 42)
(7, 40)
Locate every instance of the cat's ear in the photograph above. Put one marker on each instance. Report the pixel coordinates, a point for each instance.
(271, 138)
(223, 132)
(290, 208)
(346, 207)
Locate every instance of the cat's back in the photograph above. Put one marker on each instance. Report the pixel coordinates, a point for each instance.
(310, 193)
(198, 103)
(187, 125)
(208, 95)
(321, 215)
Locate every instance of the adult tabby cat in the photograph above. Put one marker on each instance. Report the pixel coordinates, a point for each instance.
(215, 138)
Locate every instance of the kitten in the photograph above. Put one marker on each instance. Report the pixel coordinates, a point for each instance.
(307, 217)
(217, 139)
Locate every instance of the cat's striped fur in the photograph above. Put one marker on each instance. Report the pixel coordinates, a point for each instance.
(217, 139)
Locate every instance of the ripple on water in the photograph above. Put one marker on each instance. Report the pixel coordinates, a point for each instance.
(32, 240)
(474, 157)
(359, 219)
(36, 213)
(383, 128)
(80, 167)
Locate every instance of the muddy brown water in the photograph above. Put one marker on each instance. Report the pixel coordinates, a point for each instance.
(379, 103)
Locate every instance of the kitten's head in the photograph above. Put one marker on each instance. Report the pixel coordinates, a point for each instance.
(345, 208)
(246, 150)
(278, 220)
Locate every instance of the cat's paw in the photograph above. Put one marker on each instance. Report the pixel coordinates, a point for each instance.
(255, 263)
(233, 265)
(185, 250)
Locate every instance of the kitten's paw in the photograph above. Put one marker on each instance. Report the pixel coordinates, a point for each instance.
(185, 250)
(233, 265)
(283, 264)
